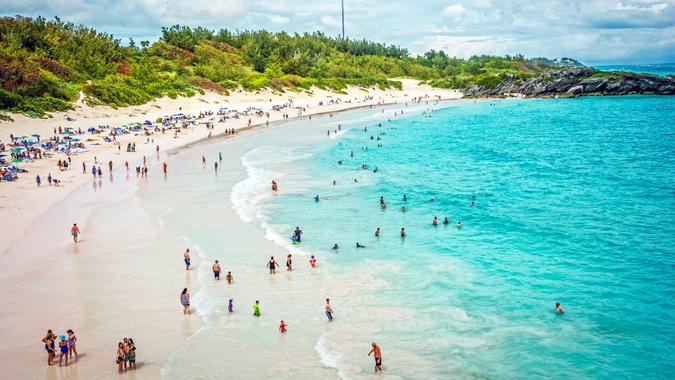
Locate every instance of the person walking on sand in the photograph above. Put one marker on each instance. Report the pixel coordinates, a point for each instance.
(186, 258)
(48, 340)
(38, 180)
(256, 308)
(329, 310)
(185, 301)
(272, 264)
(216, 270)
(75, 231)
(72, 341)
(378, 356)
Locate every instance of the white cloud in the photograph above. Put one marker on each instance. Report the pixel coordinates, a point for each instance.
(279, 20)
(453, 11)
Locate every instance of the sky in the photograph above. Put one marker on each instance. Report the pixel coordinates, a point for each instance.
(592, 31)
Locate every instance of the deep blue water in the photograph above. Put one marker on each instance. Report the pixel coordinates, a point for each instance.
(574, 202)
(656, 69)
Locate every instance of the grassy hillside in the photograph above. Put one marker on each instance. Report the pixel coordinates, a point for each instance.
(45, 64)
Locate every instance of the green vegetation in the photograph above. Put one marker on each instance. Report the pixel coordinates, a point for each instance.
(45, 65)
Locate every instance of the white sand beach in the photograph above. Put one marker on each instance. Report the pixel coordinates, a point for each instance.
(113, 283)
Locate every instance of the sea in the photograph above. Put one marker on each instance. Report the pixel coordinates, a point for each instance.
(547, 200)
(654, 69)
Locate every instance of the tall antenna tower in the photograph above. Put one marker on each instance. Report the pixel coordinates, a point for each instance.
(343, 19)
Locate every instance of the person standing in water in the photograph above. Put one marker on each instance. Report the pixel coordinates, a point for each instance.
(216, 270)
(329, 310)
(75, 231)
(230, 306)
(445, 221)
(435, 221)
(256, 308)
(185, 301)
(377, 232)
(186, 258)
(378, 356)
(312, 261)
(72, 341)
(402, 232)
(282, 327)
(289, 263)
(229, 277)
(272, 265)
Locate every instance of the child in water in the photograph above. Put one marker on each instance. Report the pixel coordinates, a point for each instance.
(312, 261)
(282, 327)
(230, 306)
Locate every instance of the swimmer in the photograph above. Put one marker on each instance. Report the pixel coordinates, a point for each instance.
(403, 209)
(435, 221)
(473, 203)
(312, 261)
(335, 246)
(377, 232)
(405, 198)
(316, 199)
(216, 270)
(559, 309)
(334, 183)
(329, 310)
(445, 221)
(459, 224)
(186, 258)
(378, 356)
(272, 264)
(282, 327)
(359, 245)
(432, 199)
(355, 181)
(402, 232)
(229, 277)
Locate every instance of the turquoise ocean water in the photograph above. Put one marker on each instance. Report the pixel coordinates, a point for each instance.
(574, 201)
(655, 69)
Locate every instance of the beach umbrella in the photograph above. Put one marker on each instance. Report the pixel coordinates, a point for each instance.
(16, 160)
(16, 150)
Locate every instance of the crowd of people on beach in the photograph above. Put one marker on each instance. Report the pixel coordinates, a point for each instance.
(67, 347)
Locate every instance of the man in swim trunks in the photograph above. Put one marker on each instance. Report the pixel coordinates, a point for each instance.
(378, 356)
(329, 310)
(75, 231)
(186, 258)
(216, 270)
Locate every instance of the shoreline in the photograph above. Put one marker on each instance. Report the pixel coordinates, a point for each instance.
(25, 258)
(25, 206)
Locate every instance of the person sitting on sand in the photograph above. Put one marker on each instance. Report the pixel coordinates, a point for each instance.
(216, 270)
(378, 356)
(185, 301)
(559, 309)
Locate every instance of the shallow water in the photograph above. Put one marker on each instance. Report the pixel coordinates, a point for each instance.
(574, 202)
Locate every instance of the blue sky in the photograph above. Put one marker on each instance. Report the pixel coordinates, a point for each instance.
(593, 31)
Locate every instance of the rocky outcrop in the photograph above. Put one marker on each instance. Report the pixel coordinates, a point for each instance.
(577, 82)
